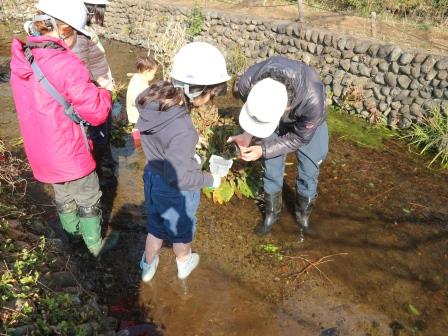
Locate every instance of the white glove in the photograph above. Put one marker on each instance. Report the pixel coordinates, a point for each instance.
(216, 181)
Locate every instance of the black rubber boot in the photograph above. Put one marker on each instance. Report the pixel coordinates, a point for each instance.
(273, 207)
(303, 206)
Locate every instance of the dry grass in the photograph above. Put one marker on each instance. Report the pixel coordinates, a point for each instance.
(165, 45)
(11, 171)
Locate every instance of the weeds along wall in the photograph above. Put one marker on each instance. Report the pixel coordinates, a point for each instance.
(366, 77)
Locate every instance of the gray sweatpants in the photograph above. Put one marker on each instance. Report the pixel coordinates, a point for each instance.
(84, 191)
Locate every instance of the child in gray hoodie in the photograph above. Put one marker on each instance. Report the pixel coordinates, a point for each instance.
(172, 177)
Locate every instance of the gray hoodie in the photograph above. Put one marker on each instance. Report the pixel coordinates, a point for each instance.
(169, 141)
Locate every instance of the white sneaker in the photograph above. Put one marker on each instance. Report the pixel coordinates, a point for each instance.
(148, 270)
(184, 268)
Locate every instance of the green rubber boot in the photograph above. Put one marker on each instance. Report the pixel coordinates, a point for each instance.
(68, 215)
(91, 233)
(90, 225)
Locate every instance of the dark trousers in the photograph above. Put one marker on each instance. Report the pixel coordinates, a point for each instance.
(100, 136)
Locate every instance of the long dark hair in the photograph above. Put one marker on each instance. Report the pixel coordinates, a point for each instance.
(219, 89)
(96, 14)
(164, 93)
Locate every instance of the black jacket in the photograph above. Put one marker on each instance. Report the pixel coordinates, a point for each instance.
(306, 102)
(169, 141)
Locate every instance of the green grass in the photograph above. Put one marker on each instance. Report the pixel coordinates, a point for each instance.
(431, 137)
(357, 130)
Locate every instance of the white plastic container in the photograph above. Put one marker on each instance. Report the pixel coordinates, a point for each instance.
(219, 166)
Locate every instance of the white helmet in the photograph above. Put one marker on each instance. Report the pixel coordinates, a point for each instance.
(264, 107)
(199, 63)
(97, 2)
(71, 12)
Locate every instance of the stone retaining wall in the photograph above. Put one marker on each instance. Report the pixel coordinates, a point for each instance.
(16, 9)
(367, 77)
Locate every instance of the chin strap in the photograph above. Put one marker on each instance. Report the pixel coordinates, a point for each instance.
(186, 87)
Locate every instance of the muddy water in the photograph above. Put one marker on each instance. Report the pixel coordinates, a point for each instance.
(382, 213)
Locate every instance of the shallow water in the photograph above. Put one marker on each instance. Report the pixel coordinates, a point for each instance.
(381, 213)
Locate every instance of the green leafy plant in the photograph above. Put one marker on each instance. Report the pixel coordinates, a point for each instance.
(244, 179)
(25, 299)
(431, 136)
(60, 314)
(195, 21)
(20, 281)
(273, 249)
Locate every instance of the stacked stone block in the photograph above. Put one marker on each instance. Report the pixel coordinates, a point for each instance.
(365, 76)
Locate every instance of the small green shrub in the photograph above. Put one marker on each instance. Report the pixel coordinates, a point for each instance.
(272, 249)
(195, 21)
(431, 136)
(236, 61)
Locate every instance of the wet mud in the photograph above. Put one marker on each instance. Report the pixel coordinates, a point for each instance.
(376, 266)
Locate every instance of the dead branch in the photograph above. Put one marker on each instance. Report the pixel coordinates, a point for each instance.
(314, 264)
(13, 310)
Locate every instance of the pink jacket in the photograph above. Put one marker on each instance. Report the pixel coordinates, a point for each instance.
(92, 53)
(54, 144)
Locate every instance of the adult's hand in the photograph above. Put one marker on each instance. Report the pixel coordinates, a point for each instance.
(242, 140)
(251, 153)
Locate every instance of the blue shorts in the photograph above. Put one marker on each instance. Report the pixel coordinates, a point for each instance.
(171, 212)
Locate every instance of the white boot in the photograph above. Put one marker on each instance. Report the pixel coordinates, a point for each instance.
(184, 268)
(148, 270)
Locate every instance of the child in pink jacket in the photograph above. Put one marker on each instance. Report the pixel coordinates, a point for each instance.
(54, 144)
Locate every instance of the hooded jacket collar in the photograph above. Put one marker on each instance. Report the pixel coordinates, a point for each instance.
(152, 120)
(19, 63)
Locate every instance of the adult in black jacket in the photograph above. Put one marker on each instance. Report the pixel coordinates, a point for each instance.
(285, 108)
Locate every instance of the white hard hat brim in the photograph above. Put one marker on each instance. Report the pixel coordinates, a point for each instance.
(84, 32)
(254, 127)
